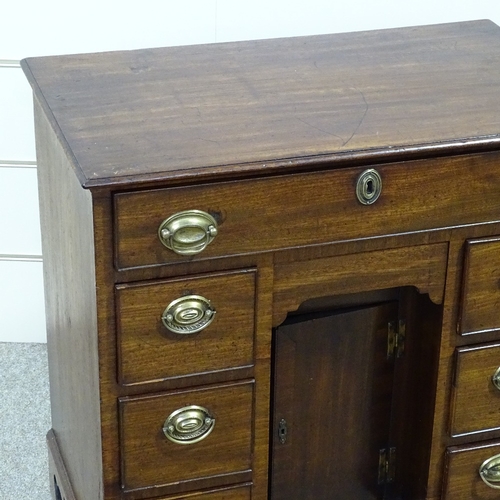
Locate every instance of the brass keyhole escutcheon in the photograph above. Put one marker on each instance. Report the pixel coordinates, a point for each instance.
(282, 431)
(368, 187)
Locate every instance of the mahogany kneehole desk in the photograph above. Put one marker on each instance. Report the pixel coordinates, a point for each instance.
(272, 268)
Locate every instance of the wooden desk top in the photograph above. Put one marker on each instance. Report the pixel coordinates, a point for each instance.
(239, 109)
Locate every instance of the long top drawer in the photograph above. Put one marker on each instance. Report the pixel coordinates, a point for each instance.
(313, 208)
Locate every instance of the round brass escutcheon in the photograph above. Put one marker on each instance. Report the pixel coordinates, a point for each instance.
(188, 232)
(368, 187)
(187, 315)
(496, 378)
(189, 425)
(490, 472)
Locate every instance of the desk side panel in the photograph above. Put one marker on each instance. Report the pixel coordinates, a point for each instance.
(70, 301)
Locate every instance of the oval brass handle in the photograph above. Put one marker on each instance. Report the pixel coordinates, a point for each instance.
(490, 472)
(188, 232)
(368, 187)
(496, 378)
(189, 425)
(188, 314)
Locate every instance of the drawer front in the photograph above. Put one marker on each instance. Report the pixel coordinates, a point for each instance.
(149, 351)
(462, 480)
(223, 456)
(480, 307)
(236, 493)
(281, 212)
(476, 399)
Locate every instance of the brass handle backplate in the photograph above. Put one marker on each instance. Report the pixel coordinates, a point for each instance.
(496, 378)
(368, 187)
(490, 472)
(188, 232)
(187, 315)
(189, 425)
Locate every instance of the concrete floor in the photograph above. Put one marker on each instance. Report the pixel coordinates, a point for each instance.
(24, 421)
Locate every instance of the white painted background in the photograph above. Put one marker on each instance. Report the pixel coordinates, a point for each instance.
(47, 27)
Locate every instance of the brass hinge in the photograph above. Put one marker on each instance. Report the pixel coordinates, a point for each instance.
(396, 333)
(387, 465)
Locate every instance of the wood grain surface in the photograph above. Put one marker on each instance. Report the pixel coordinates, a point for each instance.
(339, 415)
(270, 138)
(321, 207)
(71, 312)
(272, 104)
(150, 460)
(148, 351)
(232, 493)
(480, 308)
(420, 266)
(461, 477)
(476, 401)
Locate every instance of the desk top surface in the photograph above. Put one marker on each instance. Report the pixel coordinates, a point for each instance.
(273, 106)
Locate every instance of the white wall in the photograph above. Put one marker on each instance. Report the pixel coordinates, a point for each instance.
(35, 27)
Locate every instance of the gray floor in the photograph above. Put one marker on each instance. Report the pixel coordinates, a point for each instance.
(24, 421)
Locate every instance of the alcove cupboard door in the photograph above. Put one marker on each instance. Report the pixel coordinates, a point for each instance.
(332, 405)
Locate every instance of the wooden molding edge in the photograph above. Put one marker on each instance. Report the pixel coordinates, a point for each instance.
(58, 473)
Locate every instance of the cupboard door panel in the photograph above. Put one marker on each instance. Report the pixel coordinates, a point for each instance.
(333, 387)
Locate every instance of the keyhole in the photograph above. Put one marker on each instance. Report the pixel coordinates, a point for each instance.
(282, 431)
(368, 187)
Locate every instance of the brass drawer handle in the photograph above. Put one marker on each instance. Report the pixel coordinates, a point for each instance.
(496, 378)
(490, 472)
(368, 187)
(188, 232)
(189, 425)
(189, 314)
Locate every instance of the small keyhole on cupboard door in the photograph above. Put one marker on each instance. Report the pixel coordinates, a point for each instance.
(282, 431)
(369, 187)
